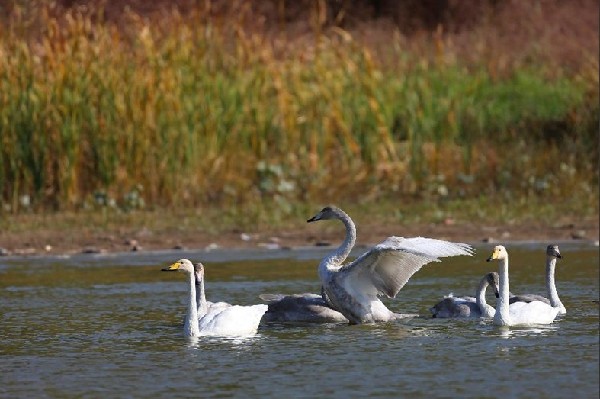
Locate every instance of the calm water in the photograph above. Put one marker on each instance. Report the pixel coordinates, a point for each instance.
(110, 326)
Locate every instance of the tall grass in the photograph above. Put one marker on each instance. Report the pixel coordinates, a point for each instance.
(189, 113)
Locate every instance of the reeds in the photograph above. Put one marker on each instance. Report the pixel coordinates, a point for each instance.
(188, 113)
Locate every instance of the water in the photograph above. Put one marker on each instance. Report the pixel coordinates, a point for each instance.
(110, 326)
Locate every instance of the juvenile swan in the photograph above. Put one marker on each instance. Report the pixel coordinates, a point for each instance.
(468, 306)
(535, 312)
(552, 254)
(308, 308)
(353, 289)
(221, 320)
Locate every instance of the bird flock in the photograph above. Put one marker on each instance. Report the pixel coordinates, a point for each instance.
(351, 292)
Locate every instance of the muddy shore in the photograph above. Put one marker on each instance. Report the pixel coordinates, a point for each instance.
(81, 240)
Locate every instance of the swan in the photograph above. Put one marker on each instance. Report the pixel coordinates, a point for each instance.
(468, 306)
(552, 254)
(311, 308)
(518, 313)
(218, 319)
(353, 288)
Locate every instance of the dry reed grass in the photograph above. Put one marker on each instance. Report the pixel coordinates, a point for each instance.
(184, 111)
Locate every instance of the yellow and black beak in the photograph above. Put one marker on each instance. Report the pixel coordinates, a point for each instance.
(494, 255)
(173, 268)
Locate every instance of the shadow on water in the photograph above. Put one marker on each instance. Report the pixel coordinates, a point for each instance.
(112, 327)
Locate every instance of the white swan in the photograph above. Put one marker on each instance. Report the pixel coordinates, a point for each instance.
(353, 289)
(535, 312)
(232, 320)
(307, 308)
(552, 254)
(467, 306)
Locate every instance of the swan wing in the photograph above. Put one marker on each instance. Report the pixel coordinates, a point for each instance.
(386, 267)
(216, 307)
(273, 298)
(528, 298)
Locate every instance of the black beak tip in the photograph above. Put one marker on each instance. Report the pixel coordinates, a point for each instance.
(559, 256)
(488, 260)
(166, 270)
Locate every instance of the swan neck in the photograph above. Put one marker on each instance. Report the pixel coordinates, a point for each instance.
(342, 252)
(502, 314)
(190, 327)
(550, 284)
(200, 297)
(480, 295)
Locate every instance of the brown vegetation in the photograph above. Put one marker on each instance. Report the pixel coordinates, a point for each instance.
(565, 32)
(498, 37)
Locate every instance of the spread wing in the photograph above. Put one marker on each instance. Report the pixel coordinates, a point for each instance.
(385, 268)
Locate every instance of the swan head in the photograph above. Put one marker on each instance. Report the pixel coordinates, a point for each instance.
(553, 252)
(182, 265)
(199, 272)
(329, 212)
(494, 280)
(498, 254)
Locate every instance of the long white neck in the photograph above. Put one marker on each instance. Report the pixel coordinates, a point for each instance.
(502, 317)
(480, 297)
(340, 254)
(190, 326)
(335, 259)
(200, 296)
(550, 284)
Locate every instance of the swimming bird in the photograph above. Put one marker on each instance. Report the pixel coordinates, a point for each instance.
(552, 254)
(534, 312)
(353, 288)
(467, 306)
(307, 308)
(201, 319)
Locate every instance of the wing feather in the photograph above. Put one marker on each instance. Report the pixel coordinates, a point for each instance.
(390, 264)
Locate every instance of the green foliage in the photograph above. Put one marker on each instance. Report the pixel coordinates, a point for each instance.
(196, 115)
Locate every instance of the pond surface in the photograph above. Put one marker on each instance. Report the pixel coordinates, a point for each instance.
(110, 326)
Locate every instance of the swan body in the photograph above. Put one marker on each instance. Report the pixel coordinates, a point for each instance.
(308, 308)
(353, 288)
(467, 306)
(233, 320)
(220, 319)
(518, 313)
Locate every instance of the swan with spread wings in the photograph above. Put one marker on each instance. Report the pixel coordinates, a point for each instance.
(354, 288)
